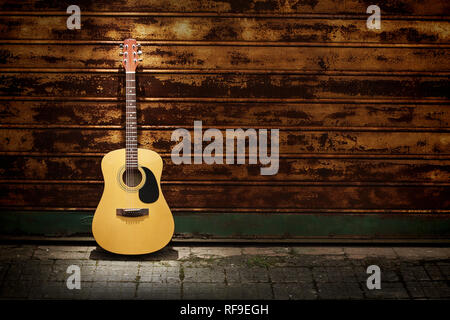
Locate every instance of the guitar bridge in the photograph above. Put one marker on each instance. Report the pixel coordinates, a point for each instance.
(132, 212)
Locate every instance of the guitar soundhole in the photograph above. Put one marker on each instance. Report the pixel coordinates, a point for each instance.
(131, 177)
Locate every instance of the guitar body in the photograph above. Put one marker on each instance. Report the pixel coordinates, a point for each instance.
(132, 234)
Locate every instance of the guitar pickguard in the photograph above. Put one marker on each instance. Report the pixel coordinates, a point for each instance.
(149, 192)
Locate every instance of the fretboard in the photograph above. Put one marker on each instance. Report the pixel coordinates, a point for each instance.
(131, 129)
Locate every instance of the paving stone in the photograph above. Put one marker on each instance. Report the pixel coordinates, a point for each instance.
(104, 274)
(127, 275)
(3, 271)
(183, 252)
(232, 274)
(294, 291)
(422, 252)
(414, 273)
(290, 274)
(334, 274)
(200, 290)
(125, 290)
(159, 274)
(15, 289)
(445, 270)
(131, 264)
(204, 275)
(166, 263)
(327, 290)
(90, 248)
(360, 273)
(436, 289)
(44, 254)
(320, 274)
(254, 274)
(124, 271)
(319, 260)
(31, 271)
(434, 272)
(318, 250)
(37, 272)
(194, 262)
(91, 263)
(415, 289)
(213, 272)
(14, 272)
(255, 291)
(368, 252)
(16, 253)
(64, 248)
(99, 290)
(341, 274)
(206, 252)
(389, 276)
(112, 290)
(57, 290)
(266, 251)
(88, 273)
(389, 290)
(428, 289)
(247, 275)
(59, 272)
(107, 263)
(332, 261)
(158, 291)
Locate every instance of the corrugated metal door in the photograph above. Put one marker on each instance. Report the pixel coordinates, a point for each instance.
(363, 114)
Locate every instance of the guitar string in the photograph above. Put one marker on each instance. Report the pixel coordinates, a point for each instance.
(128, 151)
(130, 148)
(127, 141)
(126, 137)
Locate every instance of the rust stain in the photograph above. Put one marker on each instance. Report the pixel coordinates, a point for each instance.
(325, 82)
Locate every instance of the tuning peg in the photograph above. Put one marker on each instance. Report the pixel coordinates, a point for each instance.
(139, 46)
(139, 59)
(120, 53)
(139, 52)
(121, 45)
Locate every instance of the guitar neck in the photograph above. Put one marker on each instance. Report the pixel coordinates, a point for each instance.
(131, 123)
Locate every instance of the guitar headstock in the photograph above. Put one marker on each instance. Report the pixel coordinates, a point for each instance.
(130, 51)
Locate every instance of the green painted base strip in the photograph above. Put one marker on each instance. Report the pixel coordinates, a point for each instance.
(247, 225)
(316, 225)
(51, 223)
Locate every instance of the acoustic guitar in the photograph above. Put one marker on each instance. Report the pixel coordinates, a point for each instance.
(132, 217)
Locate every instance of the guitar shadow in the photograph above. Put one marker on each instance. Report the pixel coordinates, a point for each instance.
(165, 254)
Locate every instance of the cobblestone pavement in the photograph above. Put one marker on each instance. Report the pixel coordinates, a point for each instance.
(225, 272)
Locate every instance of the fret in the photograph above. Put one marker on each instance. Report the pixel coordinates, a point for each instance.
(131, 154)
